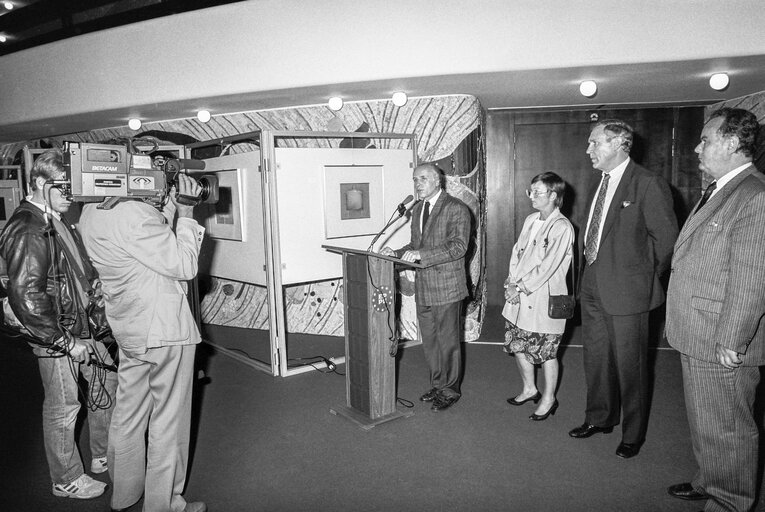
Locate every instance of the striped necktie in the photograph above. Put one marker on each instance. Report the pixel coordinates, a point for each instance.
(707, 194)
(593, 231)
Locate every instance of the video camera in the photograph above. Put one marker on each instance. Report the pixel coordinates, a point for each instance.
(114, 172)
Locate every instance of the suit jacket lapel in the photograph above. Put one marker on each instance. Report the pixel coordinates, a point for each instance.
(700, 218)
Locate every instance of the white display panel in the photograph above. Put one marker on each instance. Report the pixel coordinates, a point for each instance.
(309, 183)
(234, 237)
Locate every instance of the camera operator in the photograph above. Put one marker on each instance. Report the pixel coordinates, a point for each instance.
(45, 262)
(142, 261)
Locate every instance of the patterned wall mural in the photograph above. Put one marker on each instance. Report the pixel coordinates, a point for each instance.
(449, 131)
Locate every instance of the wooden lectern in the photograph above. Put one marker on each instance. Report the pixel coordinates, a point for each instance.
(370, 325)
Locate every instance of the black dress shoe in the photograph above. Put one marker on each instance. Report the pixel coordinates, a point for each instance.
(685, 491)
(542, 417)
(429, 396)
(442, 402)
(627, 450)
(586, 430)
(535, 399)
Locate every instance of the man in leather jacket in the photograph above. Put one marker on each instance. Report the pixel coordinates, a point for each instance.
(43, 259)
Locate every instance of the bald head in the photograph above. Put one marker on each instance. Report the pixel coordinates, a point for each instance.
(427, 180)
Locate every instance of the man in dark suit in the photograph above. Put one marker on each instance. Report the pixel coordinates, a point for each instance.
(627, 244)
(440, 236)
(716, 314)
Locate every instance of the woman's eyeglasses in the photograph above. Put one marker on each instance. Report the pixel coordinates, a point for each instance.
(536, 193)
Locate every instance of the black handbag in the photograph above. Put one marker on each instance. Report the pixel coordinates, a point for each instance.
(561, 306)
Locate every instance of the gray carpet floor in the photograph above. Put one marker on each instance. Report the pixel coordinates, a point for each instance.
(262, 443)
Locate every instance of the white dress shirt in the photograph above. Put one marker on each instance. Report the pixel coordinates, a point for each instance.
(613, 182)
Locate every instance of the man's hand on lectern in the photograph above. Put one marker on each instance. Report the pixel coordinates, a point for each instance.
(411, 256)
(387, 251)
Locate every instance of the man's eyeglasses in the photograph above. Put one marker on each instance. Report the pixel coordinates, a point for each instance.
(536, 193)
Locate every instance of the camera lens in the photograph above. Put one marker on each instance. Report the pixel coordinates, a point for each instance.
(209, 185)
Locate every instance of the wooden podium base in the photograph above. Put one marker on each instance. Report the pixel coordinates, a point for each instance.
(365, 422)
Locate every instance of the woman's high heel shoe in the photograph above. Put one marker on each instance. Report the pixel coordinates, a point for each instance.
(542, 417)
(534, 398)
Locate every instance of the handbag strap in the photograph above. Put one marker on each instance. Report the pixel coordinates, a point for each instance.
(571, 264)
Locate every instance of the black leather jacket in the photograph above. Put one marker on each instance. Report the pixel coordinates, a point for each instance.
(40, 283)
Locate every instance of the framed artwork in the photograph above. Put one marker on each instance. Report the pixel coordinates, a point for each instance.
(224, 219)
(353, 200)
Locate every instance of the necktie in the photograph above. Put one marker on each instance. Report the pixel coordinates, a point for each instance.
(425, 214)
(707, 194)
(591, 245)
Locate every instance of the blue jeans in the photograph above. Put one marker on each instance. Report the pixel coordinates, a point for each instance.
(61, 405)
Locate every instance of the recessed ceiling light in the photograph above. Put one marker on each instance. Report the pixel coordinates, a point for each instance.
(399, 98)
(203, 115)
(134, 124)
(719, 81)
(3, 39)
(8, 5)
(588, 88)
(335, 103)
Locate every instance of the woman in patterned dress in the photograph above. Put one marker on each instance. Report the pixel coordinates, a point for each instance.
(538, 266)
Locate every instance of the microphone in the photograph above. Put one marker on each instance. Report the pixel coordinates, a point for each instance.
(401, 209)
(176, 164)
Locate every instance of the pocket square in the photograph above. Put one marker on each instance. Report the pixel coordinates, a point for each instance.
(625, 204)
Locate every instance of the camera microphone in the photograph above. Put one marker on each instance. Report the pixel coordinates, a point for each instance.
(174, 165)
(187, 163)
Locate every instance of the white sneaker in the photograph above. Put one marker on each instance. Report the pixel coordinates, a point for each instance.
(84, 488)
(98, 465)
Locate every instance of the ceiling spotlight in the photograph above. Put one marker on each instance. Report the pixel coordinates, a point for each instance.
(8, 5)
(3, 39)
(399, 98)
(335, 103)
(588, 88)
(203, 115)
(134, 124)
(719, 81)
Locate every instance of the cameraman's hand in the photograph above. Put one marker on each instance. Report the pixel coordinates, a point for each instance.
(80, 351)
(186, 186)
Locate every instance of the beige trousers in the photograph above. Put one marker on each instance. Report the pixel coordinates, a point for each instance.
(154, 394)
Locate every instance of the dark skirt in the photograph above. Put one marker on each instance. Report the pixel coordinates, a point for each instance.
(538, 347)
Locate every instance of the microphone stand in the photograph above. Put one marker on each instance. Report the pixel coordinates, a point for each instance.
(401, 210)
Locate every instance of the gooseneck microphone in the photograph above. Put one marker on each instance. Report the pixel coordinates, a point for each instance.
(401, 209)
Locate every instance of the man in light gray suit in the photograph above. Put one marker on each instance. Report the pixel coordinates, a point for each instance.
(716, 314)
(142, 261)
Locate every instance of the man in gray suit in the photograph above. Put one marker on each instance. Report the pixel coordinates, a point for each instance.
(716, 314)
(440, 236)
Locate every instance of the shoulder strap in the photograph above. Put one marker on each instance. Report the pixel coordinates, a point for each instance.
(85, 273)
(573, 267)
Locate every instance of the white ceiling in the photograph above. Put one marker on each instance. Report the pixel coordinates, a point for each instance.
(226, 59)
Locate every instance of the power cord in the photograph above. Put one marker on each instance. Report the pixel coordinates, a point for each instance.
(331, 367)
(403, 401)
